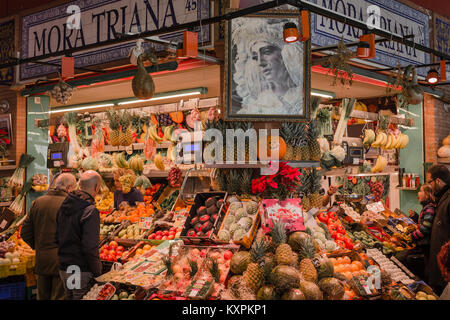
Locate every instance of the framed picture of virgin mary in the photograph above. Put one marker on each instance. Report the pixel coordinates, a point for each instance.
(266, 79)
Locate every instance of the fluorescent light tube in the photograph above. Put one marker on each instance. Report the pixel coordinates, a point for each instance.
(82, 108)
(161, 98)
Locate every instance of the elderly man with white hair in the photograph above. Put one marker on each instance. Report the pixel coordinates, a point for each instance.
(38, 231)
(78, 237)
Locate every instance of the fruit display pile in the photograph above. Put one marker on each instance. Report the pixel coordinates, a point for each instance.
(132, 214)
(336, 229)
(203, 217)
(150, 193)
(174, 177)
(105, 202)
(132, 232)
(111, 252)
(377, 189)
(168, 234)
(238, 221)
(107, 230)
(168, 203)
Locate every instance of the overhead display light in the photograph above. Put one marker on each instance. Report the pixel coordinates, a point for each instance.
(323, 94)
(363, 50)
(290, 32)
(81, 108)
(432, 76)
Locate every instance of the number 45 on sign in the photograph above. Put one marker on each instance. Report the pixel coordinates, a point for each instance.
(191, 5)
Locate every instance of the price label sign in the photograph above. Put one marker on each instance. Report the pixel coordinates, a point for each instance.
(376, 207)
(145, 223)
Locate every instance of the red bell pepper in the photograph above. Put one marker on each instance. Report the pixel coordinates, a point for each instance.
(340, 236)
(332, 228)
(332, 215)
(340, 229)
(340, 243)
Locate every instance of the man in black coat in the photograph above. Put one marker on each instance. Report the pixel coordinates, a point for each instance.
(78, 237)
(39, 230)
(438, 177)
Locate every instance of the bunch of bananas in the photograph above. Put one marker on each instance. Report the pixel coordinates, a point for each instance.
(388, 141)
(369, 137)
(380, 164)
(166, 133)
(121, 162)
(136, 163)
(159, 162)
(172, 152)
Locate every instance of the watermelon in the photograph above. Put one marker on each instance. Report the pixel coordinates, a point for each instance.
(295, 240)
(293, 294)
(239, 262)
(285, 277)
(266, 292)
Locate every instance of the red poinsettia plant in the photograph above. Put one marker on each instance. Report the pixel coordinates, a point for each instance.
(278, 185)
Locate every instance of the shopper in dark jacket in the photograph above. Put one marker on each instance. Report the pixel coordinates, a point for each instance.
(78, 236)
(438, 177)
(38, 231)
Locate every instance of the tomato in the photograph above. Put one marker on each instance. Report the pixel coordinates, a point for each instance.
(332, 228)
(340, 236)
(333, 234)
(107, 247)
(340, 243)
(164, 238)
(332, 221)
(173, 229)
(105, 252)
(113, 244)
(172, 233)
(332, 215)
(159, 232)
(120, 248)
(165, 233)
(158, 237)
(341, 229)
(171, 236)
(103, 247)
(119, 254)
(102, 257)
(349, 245)
(323, 217)
(110, 258)
(227, 255)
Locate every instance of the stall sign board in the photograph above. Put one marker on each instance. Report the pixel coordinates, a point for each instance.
(54, 29)
(6, 50)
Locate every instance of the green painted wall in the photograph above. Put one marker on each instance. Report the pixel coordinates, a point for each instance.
(37, 141)
(411, 158)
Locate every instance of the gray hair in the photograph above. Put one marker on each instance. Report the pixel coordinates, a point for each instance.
(65, 181)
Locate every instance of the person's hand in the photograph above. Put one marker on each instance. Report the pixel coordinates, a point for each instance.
(333, 189)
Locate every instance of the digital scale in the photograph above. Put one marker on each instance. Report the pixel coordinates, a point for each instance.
(57, 155)
(354, 151)
(190, 149)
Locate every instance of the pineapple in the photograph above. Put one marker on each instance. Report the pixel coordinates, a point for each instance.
(234, 181)
(284, 254)
(307, 249)
(287, 132)
(308, 270)
(246, 181)
(315, 197)
(313, 144)
(221, 178)
(114, 124)
(254, 275)
(306, 204)
(278, 234)
(125, 134)
(301, 149)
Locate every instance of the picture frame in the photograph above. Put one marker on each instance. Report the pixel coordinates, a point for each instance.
(266, 79)
(6, 134)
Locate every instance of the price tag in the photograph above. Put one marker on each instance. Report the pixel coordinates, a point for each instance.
(355, 160)
(376, 207)
(145, 223)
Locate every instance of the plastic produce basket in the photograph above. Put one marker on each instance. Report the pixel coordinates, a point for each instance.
(12, 291)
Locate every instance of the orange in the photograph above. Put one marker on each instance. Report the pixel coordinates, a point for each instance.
(146, 247)
(355, 267)
(333, 261)
(339, 260)
(348, 268)
(348, 275)
(338, 268)
(139, 251)
(359, 264)
(346, 259)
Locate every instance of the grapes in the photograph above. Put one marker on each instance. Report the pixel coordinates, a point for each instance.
(174, 177)
(164, 119)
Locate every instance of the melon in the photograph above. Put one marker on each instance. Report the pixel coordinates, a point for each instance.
(285, 277)
(234, 206)
(240, 213)
(323, 266)
(266, 292)
(293, 294)
(332, 288)
(239, 262)
(224, 235)
(246, 223)
(234, 227)
(251, 207)
(295, 240)
(229, 220)
(238, 234)
(311, 290)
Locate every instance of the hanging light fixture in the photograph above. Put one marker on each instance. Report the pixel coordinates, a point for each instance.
(432, 76)
(363, 50)
(290, 32)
